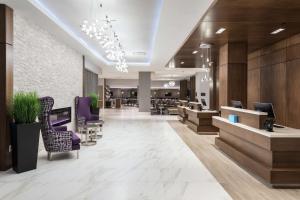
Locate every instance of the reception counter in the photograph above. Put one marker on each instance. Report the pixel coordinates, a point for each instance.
(272, 156)
(182, 116)
(201, 121)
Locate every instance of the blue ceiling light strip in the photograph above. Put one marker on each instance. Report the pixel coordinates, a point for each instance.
(62, 25)
(157, 14)
(45, 10)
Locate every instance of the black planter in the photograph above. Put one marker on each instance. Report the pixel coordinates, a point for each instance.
(25, 144)
(95, 111)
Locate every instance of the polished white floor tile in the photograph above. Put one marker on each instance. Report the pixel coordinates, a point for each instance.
(140, 157)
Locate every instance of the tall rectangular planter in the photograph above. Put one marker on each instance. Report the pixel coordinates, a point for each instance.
(25, 144)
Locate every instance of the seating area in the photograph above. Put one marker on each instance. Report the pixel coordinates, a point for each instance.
(56, 139)
(150, 100)
(164, 106)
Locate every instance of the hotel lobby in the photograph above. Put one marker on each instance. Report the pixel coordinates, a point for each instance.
(150, 100)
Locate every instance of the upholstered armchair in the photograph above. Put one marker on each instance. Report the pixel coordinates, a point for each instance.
(83, 111)
(56, 139)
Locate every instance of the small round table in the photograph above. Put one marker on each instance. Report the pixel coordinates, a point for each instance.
(90, 134)
(98, 127)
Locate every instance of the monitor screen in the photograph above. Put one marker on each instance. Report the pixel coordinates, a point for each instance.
(203, 102)
(236, 104)
(265, 107)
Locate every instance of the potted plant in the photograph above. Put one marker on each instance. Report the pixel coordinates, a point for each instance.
(25, 131)
(94, 103)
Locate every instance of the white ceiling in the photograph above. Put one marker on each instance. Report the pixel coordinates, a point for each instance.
(135, 21)
(156, 27)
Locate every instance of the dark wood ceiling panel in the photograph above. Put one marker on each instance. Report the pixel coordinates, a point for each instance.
(249, 21)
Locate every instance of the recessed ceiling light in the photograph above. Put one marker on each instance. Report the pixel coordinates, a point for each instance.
(182, 63)
(194, 52)
(220, 31)
(277, 31)
(204, 46)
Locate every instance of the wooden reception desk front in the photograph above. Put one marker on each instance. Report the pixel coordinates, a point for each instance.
(201, 121)
(181, 110)
(182, 113)
(273, 156)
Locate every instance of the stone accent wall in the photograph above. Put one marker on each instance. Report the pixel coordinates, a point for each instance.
(44, 64)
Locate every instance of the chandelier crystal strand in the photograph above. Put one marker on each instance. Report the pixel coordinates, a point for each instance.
(206, 59)
(102, 31)
(171, 83)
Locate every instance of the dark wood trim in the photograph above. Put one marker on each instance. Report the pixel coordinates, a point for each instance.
(183, 89)
(192, 88)
(233, 73)
(6, 83)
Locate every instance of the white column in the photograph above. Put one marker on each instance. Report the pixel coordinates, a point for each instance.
(144, 91)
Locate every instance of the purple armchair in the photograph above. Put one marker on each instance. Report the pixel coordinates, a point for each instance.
(56, 139)
(83, 111)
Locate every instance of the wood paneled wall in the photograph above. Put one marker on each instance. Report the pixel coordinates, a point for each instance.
(183, 89)
(232, 73)
(6, 82)
(192, 88)
(274, 76)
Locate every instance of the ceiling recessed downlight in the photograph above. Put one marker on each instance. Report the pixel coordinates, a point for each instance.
(194, 52)
(277, 31)
(220, 31)
(205, 46)
(182, 62)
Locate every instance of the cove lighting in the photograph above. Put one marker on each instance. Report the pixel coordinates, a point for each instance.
(220, 31)
(194, 52)
(277, 31)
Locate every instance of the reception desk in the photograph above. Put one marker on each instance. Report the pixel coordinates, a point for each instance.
(272, 156)
(182, 116)
(201, 121)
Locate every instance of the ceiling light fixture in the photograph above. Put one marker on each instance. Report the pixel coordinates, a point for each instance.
(205, 46)
(194, 52)
(103, 32)
(220, 31)
(172, 83)
(277, 31)
(182, 63)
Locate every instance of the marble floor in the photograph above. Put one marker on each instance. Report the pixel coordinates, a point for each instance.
(140, 157)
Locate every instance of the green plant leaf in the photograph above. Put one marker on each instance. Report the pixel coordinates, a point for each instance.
(94, 100)
(25, 107)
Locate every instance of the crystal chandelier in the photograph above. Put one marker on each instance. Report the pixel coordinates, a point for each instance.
(102, 31)
(171, 83)
(206, 60)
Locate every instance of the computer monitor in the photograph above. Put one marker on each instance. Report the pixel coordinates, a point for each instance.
(268, 108)
(203, 102)
(236, 104)
(265, 107)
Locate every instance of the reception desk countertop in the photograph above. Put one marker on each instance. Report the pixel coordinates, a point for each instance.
(278, 132)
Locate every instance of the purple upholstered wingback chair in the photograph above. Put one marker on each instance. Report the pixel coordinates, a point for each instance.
(83, 111)
(56, 139)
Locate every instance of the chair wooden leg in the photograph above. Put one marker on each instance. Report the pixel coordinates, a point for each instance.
(49, 156)
(77, 154)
